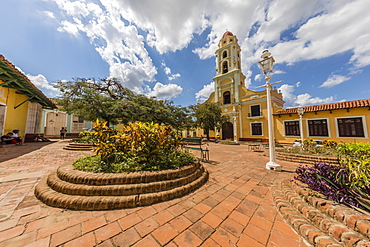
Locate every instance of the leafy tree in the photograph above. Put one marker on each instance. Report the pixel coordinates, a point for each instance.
(145, 109)
(93, 99)
(208, 116)
(108, 100)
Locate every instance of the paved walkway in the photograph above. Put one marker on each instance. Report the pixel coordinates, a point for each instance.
(234, 208)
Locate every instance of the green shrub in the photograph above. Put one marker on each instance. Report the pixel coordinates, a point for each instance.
(137, 147)
(355, 158)
(86, 137)
(329, 144)
(309, 145)
(123, 163)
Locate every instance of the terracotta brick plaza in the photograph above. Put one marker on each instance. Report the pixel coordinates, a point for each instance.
(234, 208)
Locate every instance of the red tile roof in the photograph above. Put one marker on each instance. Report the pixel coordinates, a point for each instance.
(227, 33)
(327, 107)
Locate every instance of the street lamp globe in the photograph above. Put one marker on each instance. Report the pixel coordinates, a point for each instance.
(300, 111)
(267, 62)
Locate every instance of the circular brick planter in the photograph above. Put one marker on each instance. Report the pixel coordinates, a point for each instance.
(73, 189)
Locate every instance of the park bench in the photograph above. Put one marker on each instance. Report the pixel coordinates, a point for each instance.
(196, 144)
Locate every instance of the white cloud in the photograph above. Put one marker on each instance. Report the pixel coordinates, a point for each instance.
(258, 77)
(318, 29)
(292, 100)
(341, 26)
(279, 72)
(307, 99)
(165, 91)
(40, 81)
(288, 96)
(69, 27)
(205, 92)
(118, 43)
(167, 71)
(174, 76)
(170, 24)
(49, 14)
(334, 80)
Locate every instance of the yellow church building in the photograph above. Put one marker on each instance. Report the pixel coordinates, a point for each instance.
(247, 109)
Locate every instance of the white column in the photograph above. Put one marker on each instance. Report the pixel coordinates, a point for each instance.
(240, 122)
(235, 130)
(271, 165)
(216, 92)
(301, 129)
(236, 86)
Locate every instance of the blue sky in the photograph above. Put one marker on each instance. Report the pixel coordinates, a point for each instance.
(165, 48)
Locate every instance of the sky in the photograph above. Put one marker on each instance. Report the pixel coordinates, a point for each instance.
(166, 48)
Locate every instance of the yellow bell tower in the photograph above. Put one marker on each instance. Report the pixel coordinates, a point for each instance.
(246, 109)
(228, 70)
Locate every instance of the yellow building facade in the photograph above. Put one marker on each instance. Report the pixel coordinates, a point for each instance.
(21, 103)
(246, 109)
(347, 121)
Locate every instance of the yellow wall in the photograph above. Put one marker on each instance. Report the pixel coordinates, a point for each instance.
(15, 118)
(332, 127)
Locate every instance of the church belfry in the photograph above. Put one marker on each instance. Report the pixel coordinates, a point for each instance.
(228, 70)
(245, 109)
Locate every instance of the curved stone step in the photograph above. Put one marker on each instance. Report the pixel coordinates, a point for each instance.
(79, 147)
(312, 221)
(69, 174)
(52, 198)
(55, 183)
(75, 144)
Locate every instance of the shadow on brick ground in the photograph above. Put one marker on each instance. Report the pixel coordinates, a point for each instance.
(11, 152)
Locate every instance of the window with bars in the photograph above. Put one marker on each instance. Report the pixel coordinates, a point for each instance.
(318, 127)
(78, 119)
(255, 111)
(292, 128)
(350, 127)
(256, 129)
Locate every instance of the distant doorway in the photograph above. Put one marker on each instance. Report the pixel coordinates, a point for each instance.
(54, 122)
(227, 131)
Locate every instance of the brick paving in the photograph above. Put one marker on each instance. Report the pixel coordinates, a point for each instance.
(234, 208)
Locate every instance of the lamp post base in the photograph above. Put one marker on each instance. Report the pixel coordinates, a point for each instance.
(273, 166)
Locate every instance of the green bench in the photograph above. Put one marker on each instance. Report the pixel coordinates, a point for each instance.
(196, 144)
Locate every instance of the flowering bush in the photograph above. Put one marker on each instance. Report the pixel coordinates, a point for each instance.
(348, 183)
(329, 180)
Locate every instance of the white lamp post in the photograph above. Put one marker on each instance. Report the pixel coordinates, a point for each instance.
(300, 111)
(266, 65)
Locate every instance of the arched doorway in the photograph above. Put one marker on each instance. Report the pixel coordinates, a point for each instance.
(227, 131)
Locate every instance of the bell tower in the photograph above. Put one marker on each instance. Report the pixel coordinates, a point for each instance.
(228, 70)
